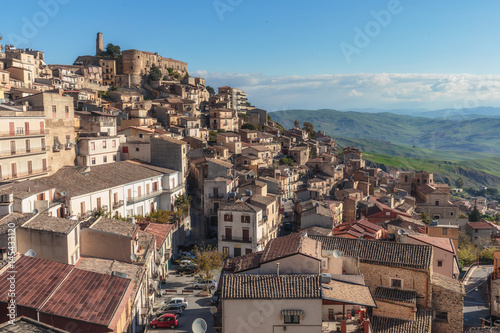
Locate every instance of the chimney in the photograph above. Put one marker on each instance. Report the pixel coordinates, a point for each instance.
(278, 269)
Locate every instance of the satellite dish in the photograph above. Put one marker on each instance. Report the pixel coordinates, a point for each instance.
(409, 227)
(336, 253)
(199, 326)
(63, 193)
(133, 257)
(30, 253)
(35, 211)
(401, 232)
(213, 310)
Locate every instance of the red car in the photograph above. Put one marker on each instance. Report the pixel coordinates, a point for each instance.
(166, 320)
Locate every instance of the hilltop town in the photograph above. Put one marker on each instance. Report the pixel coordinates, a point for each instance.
(116, 168)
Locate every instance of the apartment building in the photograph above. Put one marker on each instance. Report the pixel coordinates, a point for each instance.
(97, 150)
(23, 143)
(223, 119)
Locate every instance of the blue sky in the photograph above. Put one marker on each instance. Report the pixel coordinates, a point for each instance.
(291, 54)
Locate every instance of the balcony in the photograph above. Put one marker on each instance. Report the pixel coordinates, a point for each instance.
(216, 195)
(25, 151)
(33, 173)
(237, 239)
(143, 197)
(117, 204)
(84, 216)
(12, 134)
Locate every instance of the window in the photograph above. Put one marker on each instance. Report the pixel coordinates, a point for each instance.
(245, 219)
(137, 149)
(396, 283)
(105, 159)
(437, 203)
(125, 150)
(92, 146)
(228, 217)
(291, 319)
(441, 316)
(225, 250)
(66, 111)
(113, 143)
(114, 158)
(445, 231)
(54, 111)
(451, 213)
(93, 161)
(440, 263)
(104, 144)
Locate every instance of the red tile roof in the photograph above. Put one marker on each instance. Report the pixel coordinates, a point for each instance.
(35, 280)
(288, 245)
(161, 232)
(442, 243)
(88, 296)
(480, 225)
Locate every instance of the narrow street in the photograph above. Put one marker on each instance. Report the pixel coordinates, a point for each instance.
(476, 301)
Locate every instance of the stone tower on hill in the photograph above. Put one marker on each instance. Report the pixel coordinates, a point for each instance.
(99, 46)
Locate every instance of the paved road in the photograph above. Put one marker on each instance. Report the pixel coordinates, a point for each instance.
(476, 302)
(199, 307)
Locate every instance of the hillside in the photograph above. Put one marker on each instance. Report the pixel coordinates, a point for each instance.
(475, 173)
(479, 135)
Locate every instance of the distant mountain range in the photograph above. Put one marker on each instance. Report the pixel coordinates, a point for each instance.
(451, 147)
(466, 113)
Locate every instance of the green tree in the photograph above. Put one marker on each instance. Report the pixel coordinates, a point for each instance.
(425, 218)
(170, 71)
(210, 90)
(459, 182)
(475, 215)
(296, 124)
(208, 259)
(249, 126)
(182, 204)
(155, 73)
(286, 161)
(112, 51)
(309, 128)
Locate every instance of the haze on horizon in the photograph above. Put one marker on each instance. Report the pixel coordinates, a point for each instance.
(291, 54)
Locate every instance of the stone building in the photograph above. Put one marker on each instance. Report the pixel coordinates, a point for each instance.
(59, 126)
(170, 153)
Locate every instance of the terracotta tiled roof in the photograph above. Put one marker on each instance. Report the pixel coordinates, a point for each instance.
(391, 294)
(422, 324)
(76, 182)
(16, 218)
(448, 283)
(118, 227)
(318, 231)
(288, 245)
(346, 292)
(95, 299)
(380, 252)
(239, 206)
(262, 200)
(442, 243)
(250, 286)
(161, 232)
(28, 325)
(243, 263)
(48, 223)
(479, 225)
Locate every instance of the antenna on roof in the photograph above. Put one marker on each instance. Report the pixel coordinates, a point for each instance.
(63, 193)
(336, 253)
(30, 253)
(133, 257)
(35, 211)
(401, 232)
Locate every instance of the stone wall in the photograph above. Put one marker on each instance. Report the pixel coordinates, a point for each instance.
(412, 279)
(393, 309)
(451, 302)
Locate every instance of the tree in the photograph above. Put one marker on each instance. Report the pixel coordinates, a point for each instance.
(249, 126)
(425, 218)
(475, 215)
(112, 51)
(155, 73)
(182, 204)
(208, 260)
(210, 90)
(296, 124)
(286, 161)
(459, 182)
(309, 128)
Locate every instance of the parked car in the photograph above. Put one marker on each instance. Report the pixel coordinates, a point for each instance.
(288, 226)
(177, 300)
(175, 308)
(202, 284)
(496, 322)
(166, 320)
(187, 269)
(184, 262)
(187, 254)
(215, 298)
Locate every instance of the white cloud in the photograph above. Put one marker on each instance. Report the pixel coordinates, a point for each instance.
(343, 91)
